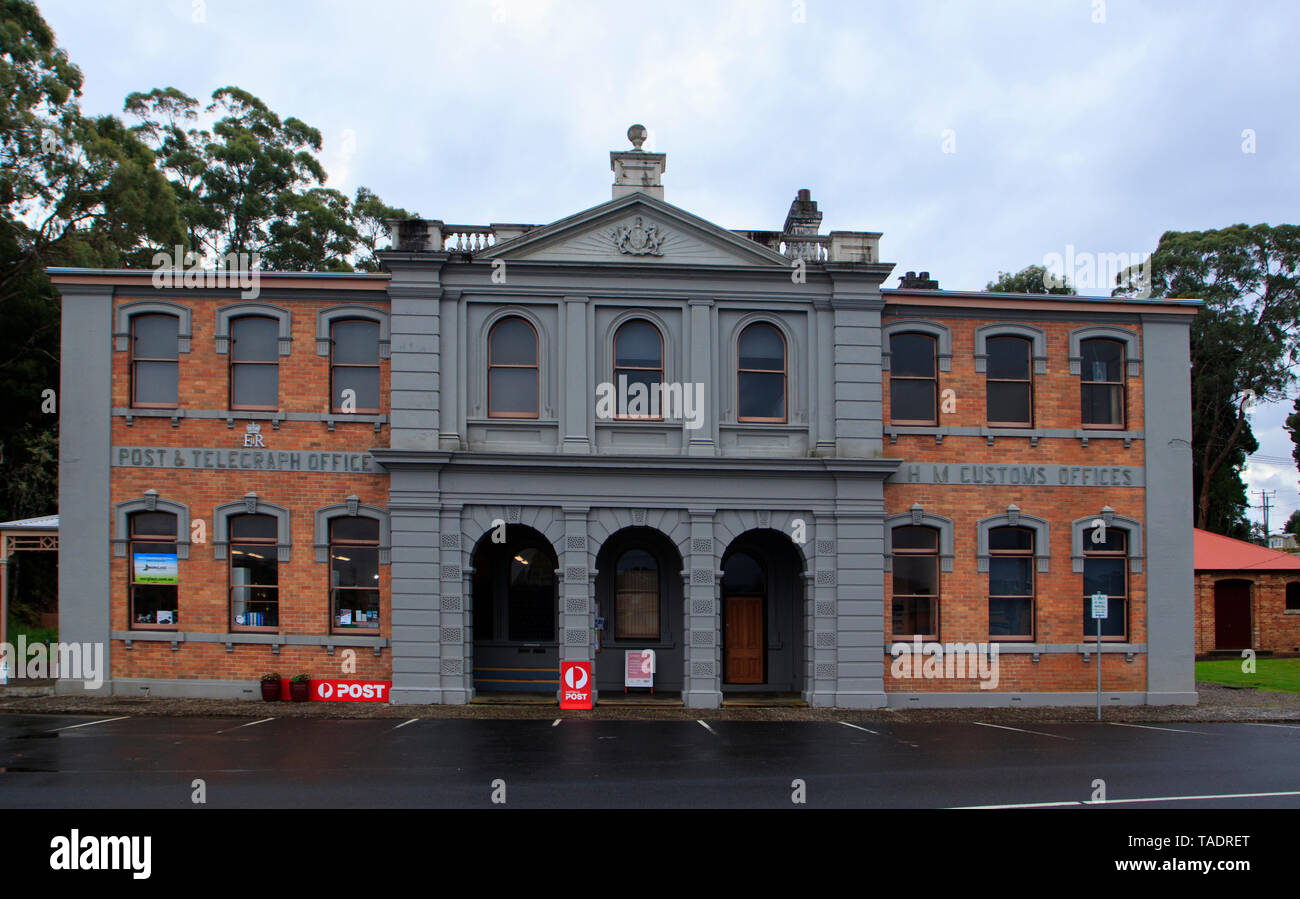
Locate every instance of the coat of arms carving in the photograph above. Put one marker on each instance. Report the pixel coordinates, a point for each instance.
(638, 240)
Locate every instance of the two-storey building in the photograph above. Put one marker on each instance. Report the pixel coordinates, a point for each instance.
(628, 429)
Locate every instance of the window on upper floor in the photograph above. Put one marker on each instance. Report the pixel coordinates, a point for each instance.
(761, 374)
(354, 366)
(1011, 583)
(513, 372)
(1009, 385)
(1102, 370)
(915, 575)
(155, 366)
(638, 357)
(254, 363)
(1105, 570)
(913, 380)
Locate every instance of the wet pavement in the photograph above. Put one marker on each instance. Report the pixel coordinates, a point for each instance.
(79, 761)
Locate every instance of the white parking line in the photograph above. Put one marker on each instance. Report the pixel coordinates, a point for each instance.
(1021, 730)
(701, 723)
(246, 724)
(1264, 724)
(88, 723)
(1172, 730)
(855, 727)
(404, 723)
(556, 722)
(1130, 801)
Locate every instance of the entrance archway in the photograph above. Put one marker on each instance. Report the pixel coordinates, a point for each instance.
(514, 613)
(762, 614)
(639, 602)
(1232, 624)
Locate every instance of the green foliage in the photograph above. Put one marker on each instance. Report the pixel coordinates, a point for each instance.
(1031, 279)
(1292, 424)
(1292, 525)
(1243, 342)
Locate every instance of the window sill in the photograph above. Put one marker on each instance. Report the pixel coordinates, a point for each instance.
(991, 433)
(275, 641)
(230, 416)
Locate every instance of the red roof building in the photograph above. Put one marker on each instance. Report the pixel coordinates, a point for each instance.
(1247, 596)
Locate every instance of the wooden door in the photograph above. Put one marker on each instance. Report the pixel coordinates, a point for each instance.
(1232, 615)
(743, 655)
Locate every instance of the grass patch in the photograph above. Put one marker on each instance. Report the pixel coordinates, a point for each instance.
(33, 633)
(1275, 675)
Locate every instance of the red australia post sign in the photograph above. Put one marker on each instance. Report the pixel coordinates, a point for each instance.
(350, 690)
(575, 685)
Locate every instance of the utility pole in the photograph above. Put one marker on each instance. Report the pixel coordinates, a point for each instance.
(1265, 505)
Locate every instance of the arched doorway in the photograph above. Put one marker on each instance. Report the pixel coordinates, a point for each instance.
(639, 604)
(762, 615)
(514, 613)
(1232, 624)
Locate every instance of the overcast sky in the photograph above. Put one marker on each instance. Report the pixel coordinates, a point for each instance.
(977, 137)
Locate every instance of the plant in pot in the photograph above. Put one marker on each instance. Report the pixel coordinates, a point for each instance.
(271, 687)
(300, 688)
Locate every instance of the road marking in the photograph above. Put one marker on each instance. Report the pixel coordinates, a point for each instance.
(89, 723)
(701, 723)
(404, 723)
(1263, 724)
(247, 724)
(556, 722)
(855, 727)
(1021, 730)
(1172, 730)
(1130, 801)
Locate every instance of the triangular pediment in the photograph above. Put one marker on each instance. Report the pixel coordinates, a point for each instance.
(636, 228)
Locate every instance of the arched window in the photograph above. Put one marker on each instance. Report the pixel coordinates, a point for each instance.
(1102, 370)
(513, 381)
(153, 573)
(636, 596)
(639, 358)
(761, 374)
(154, 361)
(254, 363)
(1105, 570)
(1009, 382)
(913, 379)
(743, 576)
(1011, 583)
(915, 567)
(254, 573)
(354, 366)
(354, 573)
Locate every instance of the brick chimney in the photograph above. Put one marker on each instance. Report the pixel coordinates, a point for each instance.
(913, 281)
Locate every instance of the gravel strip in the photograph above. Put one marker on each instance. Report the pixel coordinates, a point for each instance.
(1217, 703)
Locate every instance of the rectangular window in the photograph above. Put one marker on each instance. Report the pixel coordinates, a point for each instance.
(913, 380)
(354, 366)
(254, 573)
(915, 567)
(354, 574)
(1009, 383)
(255, 363)
(155, 366)
(1102, 383)
(153, 572)
(1011, 583)
(1105, 570)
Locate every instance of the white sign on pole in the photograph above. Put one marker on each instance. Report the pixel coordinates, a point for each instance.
(1100, 605)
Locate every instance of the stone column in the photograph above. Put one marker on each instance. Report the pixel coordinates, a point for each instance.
(413, 515)
(455, 622)
(702, 366)
(858, 578)
(575, 606)
(414, 295)
(702, 618)
(577, 392)
(858, 408)
(827, 641)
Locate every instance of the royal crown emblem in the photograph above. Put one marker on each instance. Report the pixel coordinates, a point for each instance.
(254, 428)
(639, 240)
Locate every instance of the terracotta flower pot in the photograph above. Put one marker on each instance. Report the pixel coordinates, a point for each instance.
(271, 690)
(300, 692)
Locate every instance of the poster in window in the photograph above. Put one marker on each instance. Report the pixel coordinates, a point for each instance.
(155, 568)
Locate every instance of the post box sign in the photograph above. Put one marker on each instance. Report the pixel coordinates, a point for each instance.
(350, 690)
(639, 670)
(575, 685)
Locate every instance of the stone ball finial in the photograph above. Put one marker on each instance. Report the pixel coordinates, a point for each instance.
(637, 135)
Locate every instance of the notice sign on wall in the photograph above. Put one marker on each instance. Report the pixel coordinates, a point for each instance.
(154, 568)
(575, 685)
(639, 668)
(350, 690)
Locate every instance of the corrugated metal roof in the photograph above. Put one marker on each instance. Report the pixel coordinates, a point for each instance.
(1215, 552)
(44, 523)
